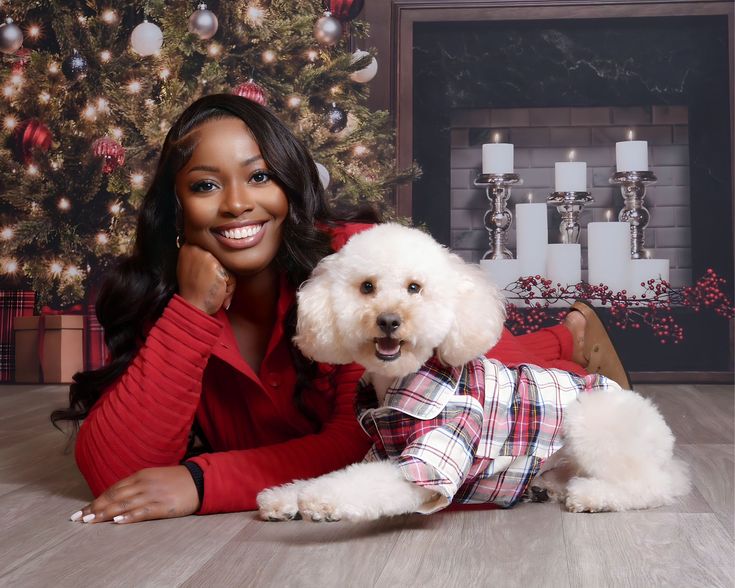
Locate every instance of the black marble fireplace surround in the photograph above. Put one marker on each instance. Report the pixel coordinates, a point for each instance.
(587, 63)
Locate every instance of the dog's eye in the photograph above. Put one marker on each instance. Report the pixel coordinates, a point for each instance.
(367, 287)
(414, 288)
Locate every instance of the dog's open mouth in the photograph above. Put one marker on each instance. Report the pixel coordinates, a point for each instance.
(387, 348)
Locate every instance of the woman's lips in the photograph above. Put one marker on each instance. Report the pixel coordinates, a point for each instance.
(233, 242)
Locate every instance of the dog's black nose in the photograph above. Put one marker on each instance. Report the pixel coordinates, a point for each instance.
(388, 322)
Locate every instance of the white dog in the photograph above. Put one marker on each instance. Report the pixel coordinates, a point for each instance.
(448, 424)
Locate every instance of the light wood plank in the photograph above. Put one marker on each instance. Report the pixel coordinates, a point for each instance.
(713, 476)
(522, 546)
(305, 554)
(155, 553)
(648, 549)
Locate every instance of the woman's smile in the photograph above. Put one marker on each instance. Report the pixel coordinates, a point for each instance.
(247, 235)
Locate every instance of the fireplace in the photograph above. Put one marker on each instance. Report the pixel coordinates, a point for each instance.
(550, 78)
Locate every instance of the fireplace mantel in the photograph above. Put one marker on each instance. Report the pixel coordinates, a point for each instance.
(393, 34)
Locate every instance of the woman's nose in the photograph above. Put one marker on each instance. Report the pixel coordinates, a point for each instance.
(237, 200)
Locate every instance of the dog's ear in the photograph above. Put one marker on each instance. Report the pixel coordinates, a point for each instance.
(479, 314)
(316, 328)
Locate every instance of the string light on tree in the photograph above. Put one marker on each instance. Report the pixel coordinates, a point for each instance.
(115, 208)
(134, 86)
(116, 132)
(10, 122)
(164, 73)
(34, 31)
(312, 55)
(55, 268)
(360, 150)
(268, 56)
(137, 179)
(214, 49)
(53, 68)
(64, 204)
(102, 238)
(255, 14)
(293, 101)
(32, 169)
(90, 113)
(44, 97)
(105, 56)
(10, 266)
(73, 272)
(109, 16)
(7, 233)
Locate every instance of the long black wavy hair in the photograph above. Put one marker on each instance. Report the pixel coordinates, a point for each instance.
(135, 293)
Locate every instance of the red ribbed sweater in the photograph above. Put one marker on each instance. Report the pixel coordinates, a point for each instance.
(189, 365)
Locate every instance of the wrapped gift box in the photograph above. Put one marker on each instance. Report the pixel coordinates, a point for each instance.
(63, 348)
(12, 303)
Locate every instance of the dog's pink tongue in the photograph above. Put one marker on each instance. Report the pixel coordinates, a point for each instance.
(388, 345)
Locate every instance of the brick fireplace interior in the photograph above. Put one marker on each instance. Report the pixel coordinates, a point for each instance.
(556, 85)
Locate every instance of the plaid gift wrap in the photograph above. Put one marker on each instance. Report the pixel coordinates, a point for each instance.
(12, 303)
(474, 434)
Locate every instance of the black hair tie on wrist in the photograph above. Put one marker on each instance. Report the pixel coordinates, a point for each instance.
(198, 476)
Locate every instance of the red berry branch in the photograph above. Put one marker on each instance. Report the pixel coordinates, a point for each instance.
(652, 309)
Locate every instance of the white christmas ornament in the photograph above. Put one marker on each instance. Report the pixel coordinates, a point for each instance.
(203, 23)
(323, 175)
(11, 37)
(364, 75)
(146, 39)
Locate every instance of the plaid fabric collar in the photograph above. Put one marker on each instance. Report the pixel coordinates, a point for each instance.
(422, 395)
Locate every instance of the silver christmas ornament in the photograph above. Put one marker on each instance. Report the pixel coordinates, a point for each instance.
(146, 39)
(11, 37)
(327, 30)
(203, 23)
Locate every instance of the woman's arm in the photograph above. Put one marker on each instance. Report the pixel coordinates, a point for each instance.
(143, 419)
(232, 479)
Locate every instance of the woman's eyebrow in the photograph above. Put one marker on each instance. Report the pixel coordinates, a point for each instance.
(210, 168)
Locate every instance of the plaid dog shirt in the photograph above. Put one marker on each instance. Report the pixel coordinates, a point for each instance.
(474, 434)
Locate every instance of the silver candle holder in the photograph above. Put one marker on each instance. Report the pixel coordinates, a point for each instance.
(498, 218)
(569, 205)
(633, 188)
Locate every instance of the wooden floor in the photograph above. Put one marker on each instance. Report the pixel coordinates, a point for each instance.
(689, 544)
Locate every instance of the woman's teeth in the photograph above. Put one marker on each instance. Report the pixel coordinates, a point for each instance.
(243, 233)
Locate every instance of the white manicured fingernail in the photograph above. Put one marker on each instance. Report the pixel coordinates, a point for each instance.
(87, 518)
(76, 516)
(119, 519)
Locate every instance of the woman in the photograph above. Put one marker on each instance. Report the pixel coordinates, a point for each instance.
(199, 320)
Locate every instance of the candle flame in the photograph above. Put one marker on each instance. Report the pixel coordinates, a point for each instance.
(630, 135)
(496, 137)
(608, 215)
(530, 196)
(571, 155)
(648, 255)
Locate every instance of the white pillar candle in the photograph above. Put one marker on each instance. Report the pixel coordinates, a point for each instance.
(642, 270)
(502, 272)
(497, 158)
(608, 254)
(570, 176)
(531, 237)
(564, 264)
(631, 156)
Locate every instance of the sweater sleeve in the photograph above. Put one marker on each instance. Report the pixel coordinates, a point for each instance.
(143, 419)
(233, 479)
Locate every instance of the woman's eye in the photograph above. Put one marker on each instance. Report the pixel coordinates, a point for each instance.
(260, 177)
(414, 288)
(204, 186)
(367, 287)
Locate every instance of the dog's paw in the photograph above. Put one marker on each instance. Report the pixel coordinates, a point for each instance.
(279, 503)
(583, 495)
(324, 500)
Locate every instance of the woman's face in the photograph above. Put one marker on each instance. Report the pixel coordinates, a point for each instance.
(232, 207)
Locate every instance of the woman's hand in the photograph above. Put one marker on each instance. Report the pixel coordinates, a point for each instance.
(202, 280)
(152, 493)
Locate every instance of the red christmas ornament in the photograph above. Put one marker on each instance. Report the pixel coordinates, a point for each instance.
(29, 135)
(112, 153)
(344, 9)
(251, 91)
(21, 59)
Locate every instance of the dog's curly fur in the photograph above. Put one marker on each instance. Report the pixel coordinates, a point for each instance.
(618, 451)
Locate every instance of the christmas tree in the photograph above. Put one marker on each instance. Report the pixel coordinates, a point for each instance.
(90, 90)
